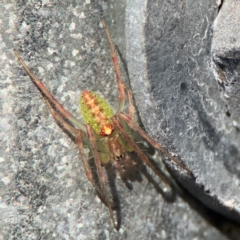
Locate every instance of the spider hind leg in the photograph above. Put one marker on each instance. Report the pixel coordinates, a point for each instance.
(124, 117)
(92, 139)
(138, 151)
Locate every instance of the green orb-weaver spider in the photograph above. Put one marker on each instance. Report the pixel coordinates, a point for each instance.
(103, 131)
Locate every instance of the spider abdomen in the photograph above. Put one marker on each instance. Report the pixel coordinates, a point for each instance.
(97, 112)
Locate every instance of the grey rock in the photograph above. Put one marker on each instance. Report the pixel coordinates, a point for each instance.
(179, 99)
(226, 55)
(44, 191)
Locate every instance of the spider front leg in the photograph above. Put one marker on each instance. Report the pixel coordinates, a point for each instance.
(120, 84)
(155, 144)
(48, 96)
(131, 108)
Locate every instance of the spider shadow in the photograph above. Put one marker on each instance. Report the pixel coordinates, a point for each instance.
(133, 172)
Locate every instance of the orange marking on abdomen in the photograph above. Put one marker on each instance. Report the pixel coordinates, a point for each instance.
(92, 104)
(89, 99)
(100, 117)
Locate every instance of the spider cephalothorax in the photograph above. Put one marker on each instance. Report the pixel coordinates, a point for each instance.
(106, 133)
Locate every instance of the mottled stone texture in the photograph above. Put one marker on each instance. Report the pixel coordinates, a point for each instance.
(173, 72)
(226, 56)
(43, 188)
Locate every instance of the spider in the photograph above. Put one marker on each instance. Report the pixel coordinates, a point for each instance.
(104, 133)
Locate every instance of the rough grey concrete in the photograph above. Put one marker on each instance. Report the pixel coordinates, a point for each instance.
(44, 192)
(178, 96)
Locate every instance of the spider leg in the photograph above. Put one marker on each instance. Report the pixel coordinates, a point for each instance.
(70, 130)
(47, 95)
(131, 108)
(79, 142)
(92, 139)
(141, 155)
(155, 144)
(77, 136)
(120, 83)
